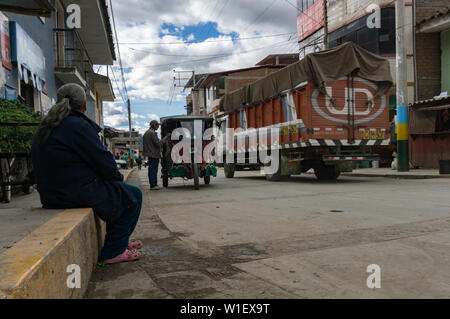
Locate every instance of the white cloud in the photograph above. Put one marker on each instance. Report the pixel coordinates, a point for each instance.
(141, 22)
(151, 73)
(137, 116)
(115, 115)
(153, 117)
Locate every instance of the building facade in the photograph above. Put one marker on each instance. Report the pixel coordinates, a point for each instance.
(371, 25)
(310, 26)
(41, 53)
(120, 142)
(430, 116)
(209, 88)
(432, 67)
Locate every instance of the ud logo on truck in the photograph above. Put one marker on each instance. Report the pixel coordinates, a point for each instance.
(344, 99)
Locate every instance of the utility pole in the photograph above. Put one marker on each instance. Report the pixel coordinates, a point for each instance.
(401, 79)
(325, 24)
(129, 125)
(194, 83)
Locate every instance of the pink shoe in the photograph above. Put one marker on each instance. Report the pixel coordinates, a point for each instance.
(128, 255)
(135, 244)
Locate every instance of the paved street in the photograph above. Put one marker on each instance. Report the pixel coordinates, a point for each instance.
(249, 238)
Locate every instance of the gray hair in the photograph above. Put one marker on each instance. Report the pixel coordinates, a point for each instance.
(70, 97)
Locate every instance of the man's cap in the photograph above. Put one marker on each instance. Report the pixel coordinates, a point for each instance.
(154, 122)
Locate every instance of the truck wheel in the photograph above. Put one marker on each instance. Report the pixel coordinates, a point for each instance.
(273, 177)
(7, 194)
(196, 176)
(276, 177)
(165, 179)
(27, 188)
(229, 170)
(327, 172)
(207, 179)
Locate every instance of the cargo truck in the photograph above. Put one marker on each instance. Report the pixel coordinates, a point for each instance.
(330, 110)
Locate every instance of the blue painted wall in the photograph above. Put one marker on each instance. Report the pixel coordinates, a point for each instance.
(42, 34)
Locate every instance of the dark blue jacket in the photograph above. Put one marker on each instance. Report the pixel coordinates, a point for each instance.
(74, 169)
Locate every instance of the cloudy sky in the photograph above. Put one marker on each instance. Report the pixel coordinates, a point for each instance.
(159, 36)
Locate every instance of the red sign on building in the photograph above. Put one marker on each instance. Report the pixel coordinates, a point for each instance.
(4, 41)
(310, 20)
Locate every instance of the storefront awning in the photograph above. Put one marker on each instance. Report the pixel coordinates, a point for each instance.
(434, 108)
(28, 55)
(438, 22)
(41, 8)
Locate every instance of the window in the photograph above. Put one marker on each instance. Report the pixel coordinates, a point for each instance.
(379, 41)
(330, 2)
(299, 6)
(367, 39)
(303, 5)
(288, 105)
(59, 35)
(223, 125)
(219, 87)
(386, 38)
(243, 119)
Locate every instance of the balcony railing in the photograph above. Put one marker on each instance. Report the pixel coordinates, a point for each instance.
(71, 53)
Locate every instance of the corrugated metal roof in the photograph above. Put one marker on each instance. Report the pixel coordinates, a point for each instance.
(434, 102)
(286, 58)
(436, 15)
(198, 79)
(213, 76)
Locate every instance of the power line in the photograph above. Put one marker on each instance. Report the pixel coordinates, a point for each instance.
(117, 86)
(118, 49)
(172, 90)
(184, 55)
(174, 55)
(303, 12)
(218, 16)
(213, 57)
(260, 15)
(123, 75)
(209, 41)
(209, 16)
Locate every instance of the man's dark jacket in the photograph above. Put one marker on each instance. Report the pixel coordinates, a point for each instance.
(74, 169)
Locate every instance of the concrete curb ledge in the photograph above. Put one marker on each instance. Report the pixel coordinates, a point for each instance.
(128, 173)
(36, 267)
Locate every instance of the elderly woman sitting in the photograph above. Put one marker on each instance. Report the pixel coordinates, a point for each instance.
(74, 169)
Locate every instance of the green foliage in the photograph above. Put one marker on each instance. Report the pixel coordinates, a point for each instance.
(16, 112)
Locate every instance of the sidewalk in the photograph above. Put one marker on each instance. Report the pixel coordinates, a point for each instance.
(37, 244)
(20, 217)
(390, 173)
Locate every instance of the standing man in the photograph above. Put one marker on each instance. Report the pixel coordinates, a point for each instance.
(139, 162)
(152, 149)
